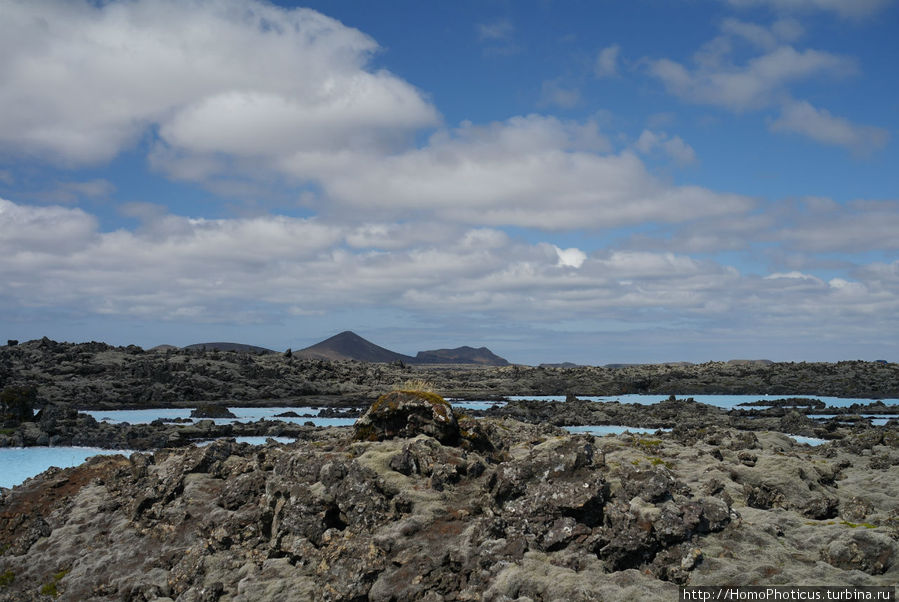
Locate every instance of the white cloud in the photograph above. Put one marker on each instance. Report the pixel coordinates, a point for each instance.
(607, 61)
(801, 117)
(181, 269)
(80, 82)
(43, 230)
(755, 85)
(572, 257)
(678, 150)
(528, 171)
(843, 8)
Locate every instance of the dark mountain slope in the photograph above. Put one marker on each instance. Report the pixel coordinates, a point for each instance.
(461, 355)
(350, 346)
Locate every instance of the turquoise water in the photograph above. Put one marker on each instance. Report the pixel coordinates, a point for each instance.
(20, 463)
(243, 415)
(809, 440)
(727, 402)
(253, 440)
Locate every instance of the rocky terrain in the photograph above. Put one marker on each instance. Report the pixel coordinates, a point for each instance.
(418, 502)
(99, 376)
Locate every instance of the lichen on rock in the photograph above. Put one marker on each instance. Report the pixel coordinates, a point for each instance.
(406, 414)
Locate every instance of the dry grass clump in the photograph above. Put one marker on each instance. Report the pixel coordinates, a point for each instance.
(417, 384)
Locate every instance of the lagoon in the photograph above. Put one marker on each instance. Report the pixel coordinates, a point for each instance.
(20, 463)
(243, 415)
(728, 402)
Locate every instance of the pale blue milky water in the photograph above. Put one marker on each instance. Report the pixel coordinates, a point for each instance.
(20, 463)
(253, 440)
(243, 415)
(727, 402)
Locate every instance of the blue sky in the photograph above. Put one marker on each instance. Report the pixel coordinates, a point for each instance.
(593, 182)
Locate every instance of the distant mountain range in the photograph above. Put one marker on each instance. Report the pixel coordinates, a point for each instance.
(350, 346)
(241, 347)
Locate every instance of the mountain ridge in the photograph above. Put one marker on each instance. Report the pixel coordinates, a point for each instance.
(348, 345)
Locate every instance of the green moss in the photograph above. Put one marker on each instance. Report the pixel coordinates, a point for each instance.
(51, 589)
(7, 578)
(390, 401)
(365, 432)
(656, 461)
(647, 445)
(855, 525)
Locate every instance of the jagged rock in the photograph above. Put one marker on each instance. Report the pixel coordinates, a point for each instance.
(210, 410)
(407, 414)
(863, 550)
(545, 515)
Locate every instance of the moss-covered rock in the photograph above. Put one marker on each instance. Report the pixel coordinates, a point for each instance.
(407, 414)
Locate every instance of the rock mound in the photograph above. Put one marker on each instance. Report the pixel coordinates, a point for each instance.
(407, 414)
(210, 410)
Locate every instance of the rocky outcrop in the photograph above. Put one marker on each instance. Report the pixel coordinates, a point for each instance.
(61, 425)
(211, 410)
(96, 375)
(406, 414)
(413, 513)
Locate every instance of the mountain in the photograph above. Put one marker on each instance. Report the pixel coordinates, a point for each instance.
(460, 355)
(350, 346)
(240, 347)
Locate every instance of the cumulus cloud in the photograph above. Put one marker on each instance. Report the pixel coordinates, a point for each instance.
(793, 233)
(528, 171)
(194, 270)
(766, 80)
(678, 150)
(801, 117)
(607, 61)
(757, 84)
(82, 81)
(43, 230)
(572, 257)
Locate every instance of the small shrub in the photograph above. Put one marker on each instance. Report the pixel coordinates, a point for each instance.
(7, 578)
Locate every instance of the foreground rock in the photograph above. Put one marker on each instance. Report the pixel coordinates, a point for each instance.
(538, 515)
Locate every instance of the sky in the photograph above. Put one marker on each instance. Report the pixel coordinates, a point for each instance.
(585, 181)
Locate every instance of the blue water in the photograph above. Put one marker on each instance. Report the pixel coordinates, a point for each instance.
(727, 402)
(20, 463)
(809, 440)
(17, 464)
(243, 415)
(253, 440)
(475, 405)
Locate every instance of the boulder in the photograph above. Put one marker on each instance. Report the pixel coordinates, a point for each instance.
(864, 550)
(209, 410)
(406, 414)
